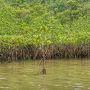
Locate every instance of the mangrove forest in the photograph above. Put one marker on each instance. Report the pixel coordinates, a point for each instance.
(44, 44)
(49, 29)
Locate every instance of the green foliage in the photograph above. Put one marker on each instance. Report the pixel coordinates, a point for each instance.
(44, 22)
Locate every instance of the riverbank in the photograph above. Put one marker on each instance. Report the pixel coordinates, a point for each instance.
(45, 52)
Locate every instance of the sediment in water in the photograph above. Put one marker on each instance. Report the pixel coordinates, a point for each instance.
(49, 52)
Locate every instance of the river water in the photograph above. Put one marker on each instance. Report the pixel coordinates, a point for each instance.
(61, 75)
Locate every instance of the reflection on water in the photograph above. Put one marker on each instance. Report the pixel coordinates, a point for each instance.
(61, 75)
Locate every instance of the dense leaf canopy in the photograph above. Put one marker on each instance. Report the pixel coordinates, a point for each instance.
(44, 22)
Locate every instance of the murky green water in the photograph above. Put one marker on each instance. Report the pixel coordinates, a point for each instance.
(61, 75)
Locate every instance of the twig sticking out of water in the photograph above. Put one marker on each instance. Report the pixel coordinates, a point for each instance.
(43, 52)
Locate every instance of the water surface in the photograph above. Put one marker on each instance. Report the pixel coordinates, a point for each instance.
(61, 75)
